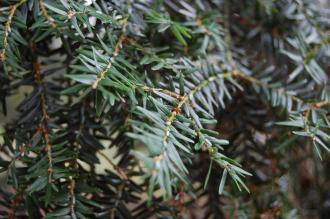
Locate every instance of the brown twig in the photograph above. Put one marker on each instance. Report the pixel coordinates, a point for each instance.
(122, 39)
(202, 26)
(119, 170)
(72, 187)
(44, 121)
(319, 105)
(238, 74)
(115, 53)
(72, 184)
(154, 90)
(314, 106)
(14, 204)
(46, 15)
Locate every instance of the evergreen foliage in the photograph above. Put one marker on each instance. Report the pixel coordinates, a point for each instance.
(214, 108)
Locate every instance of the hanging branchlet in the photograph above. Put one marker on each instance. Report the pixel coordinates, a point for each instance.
(184, 107)
(43, 125)
(253, 80)
(7, 28)
(73, 164)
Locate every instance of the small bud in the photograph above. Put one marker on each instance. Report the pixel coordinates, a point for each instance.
(2, 56)
(70, 14)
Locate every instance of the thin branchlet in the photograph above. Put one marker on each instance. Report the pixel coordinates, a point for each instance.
(119, 170)
(115, 53)
(178, 108)
(154, 90)
(43, 125)
(7, 28)
(249, 78)
(119, 45)
(72, 187)
(46, 15)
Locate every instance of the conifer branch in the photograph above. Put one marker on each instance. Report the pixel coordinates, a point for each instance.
(7, 30)
(309, 18)
(180, 97)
